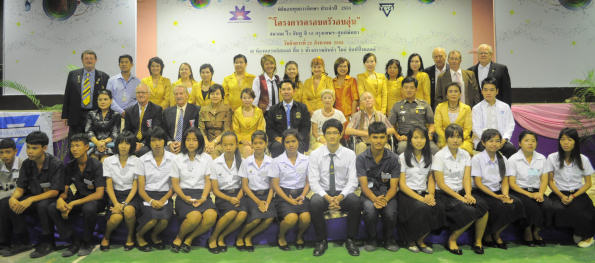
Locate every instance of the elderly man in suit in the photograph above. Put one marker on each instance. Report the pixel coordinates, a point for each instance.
(141, 116)
(178, 118)
(80, 95)
(488, 69)
(466, 78)
(440, 66)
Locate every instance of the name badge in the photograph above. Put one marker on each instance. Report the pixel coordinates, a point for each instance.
(370, 185)
(88, 182)
(45, 185)
(533, 172)
(279, 117)
(385, 176)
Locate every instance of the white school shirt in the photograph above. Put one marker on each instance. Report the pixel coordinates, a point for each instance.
(569, 177)
(258, 177)
(482, 166)
(227, 178)
(122, 177)
(8, 177)
(345, 171)
(156, 177)
(528, 175)
(453, 169)
(192, 173)
(416, 177)
(503, 116)
(290, 176)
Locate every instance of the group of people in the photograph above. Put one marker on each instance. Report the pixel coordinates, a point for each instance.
(269, 148)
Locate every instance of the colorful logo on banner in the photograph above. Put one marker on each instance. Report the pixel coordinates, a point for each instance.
(200, 4)
(240, 14)
(17, 128)
(267, 3)
(386, 8)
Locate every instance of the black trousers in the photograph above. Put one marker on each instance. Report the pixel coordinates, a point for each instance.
(389, 218)
(4, 221)
(351, 203)
(507, 149)
(65, 228)
(40, 211)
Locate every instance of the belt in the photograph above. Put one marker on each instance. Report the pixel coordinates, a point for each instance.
(531, 189)
(231, 191)
(460, 192)
(420, 192)
(293, 192)
(569, 192)
(260, 192)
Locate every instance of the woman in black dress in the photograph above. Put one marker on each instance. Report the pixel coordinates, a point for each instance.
(102, 126)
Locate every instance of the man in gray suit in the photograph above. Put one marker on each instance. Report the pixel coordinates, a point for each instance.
(179, 118)
(466, 78)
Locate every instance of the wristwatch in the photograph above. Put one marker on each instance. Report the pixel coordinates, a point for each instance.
(124, 203)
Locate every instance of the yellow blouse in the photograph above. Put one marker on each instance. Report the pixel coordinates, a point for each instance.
(233, 89)
(375, 86)
(297, 92)
(393, 91)
(311, 96)
(423, 87)
(441, 120)
(196, 94)
(345, 95)
(162, 94)
(245, 126)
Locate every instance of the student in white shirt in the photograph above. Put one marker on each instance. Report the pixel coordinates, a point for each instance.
(528, 180)
(572, 207)
(452, 172)
(492, 113)
(190, 179)
(121, 188)
(227, 187)
(155, 190)
(10, 166)
(488, 169)
(418, 213)
(290, 181)
(256, 185)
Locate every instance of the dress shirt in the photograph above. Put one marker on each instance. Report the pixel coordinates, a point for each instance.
(156, 176)
(51, 176)
(416, 176)
(503, 115)
(527, 175)
(271, 87)
(569, 177)
(227, 178)
(452, 167)
(84, 182)
(192, 173)
(291, 176)
(345, 170)
(482, 72)
(258, 177)
(8, 177)
(178, 117)
(454, 77)
(122, 177)
(123, 92)
(482, 166)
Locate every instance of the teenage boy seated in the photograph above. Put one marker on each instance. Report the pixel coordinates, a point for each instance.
(9, 172)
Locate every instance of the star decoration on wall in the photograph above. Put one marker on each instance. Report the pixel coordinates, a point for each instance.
(240, 14)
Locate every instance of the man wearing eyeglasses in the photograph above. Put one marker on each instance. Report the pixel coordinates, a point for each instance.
(142, 116)
(485, 68)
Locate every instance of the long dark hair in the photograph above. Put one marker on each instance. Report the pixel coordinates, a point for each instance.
(421, 64)
(575, 154)
(297, 76)
(488, 135)
(237, 155)
(125, 137)
(201, 140)
(425, 152)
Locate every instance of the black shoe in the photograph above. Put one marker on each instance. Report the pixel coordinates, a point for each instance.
(540, 243)
(502, 246)
(104, 248)
(249, 248)
(370, 245)
(457, 251)
(42, 250)
(284, 248)
(391, 245)
(477, 249)
(185, 248)
(352, 249)
(71, 251)
(320, 248)
(85, 250)
(145, 248)
(15, 249)
(174, 248)
(158, 246)
(128, 247)
(214, 250)
(299, 246)
(489, 243)
(222, 248)
(240, 248)
(528, 243)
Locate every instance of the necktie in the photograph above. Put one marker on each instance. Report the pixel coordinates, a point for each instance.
(458, 78)
(331, 171)
(179, 126)
(139, 134)
(273, 99)
(86, 90)
(288, 115)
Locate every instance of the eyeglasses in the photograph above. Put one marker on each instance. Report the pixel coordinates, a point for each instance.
(142, 92)
(483, 53)
(332, 133)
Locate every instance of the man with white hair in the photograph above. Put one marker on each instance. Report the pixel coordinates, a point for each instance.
(440, 66)
(178, 118)
(486, 68)
(141, 116)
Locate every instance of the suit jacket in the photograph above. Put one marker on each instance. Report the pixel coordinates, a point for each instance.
(191, 116)
(276, 122)
(151, 118)
(71, 108)
(472, 94)
(431, 71)
(500, 73)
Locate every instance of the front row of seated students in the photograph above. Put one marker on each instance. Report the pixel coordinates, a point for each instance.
(450, 190)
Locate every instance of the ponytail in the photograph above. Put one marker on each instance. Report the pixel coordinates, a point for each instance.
(501, 165)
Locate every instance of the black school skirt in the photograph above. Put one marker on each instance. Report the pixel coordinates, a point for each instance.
(415, 218)
(578, 215)
(148, 213)
(182, 208)
(458, 214)
(224, 206)
(121, 197)
(252, 207)
(534, 211)
(501, 214)
(284, 208)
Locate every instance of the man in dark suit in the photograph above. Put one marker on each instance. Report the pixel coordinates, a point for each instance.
(488, 69)
(177, 119)
(151, 117)
(277, 120)
(440, 66)
(466, 78)
(80, 95)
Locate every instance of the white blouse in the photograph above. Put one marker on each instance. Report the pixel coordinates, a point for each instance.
(569, 177)
(416, 177)
(156, 177)
(290, 176)
(227, 178)
(482, 166)
(528, 175)
(122, 177)
(258, 177)
(452, 167)
(192, 173)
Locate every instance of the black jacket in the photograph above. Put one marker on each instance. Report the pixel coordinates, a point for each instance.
(500, 73)
(168, 122)
(300, 120)
(71, 108)
(152, 118)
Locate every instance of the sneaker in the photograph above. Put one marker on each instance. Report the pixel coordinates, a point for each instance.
(42, 250)
(427, 250)
(370, 245)
(413, 249)
(586, 243)
(576, 239)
